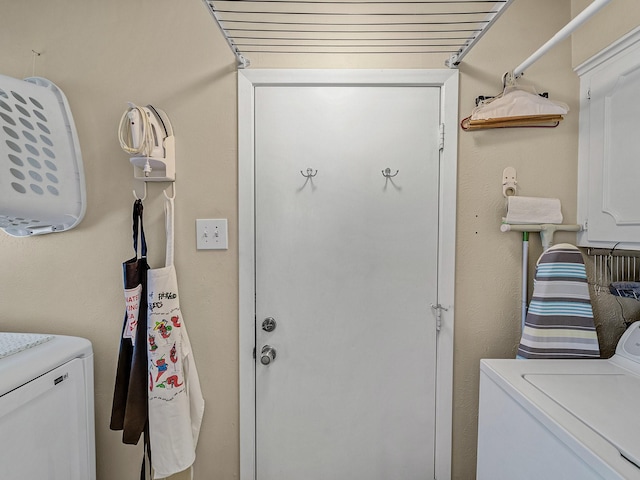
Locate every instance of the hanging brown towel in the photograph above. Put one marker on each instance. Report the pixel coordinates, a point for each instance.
(130, 406)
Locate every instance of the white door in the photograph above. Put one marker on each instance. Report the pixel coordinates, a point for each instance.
(346, 264)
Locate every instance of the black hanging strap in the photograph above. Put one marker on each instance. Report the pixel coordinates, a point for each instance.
(146, 454)
(138, 228)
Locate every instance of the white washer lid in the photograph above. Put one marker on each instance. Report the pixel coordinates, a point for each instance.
(23, 366)
(604, 402)
(11, 343)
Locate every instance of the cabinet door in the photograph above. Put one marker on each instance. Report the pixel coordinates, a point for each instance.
(609, 186)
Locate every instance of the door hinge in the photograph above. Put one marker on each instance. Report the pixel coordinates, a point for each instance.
(254, 353)
(441, 137)
(438, 311)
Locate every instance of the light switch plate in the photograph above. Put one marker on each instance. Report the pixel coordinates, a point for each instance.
(211, 234)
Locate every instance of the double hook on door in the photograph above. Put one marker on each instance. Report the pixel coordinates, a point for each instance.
(385, 173)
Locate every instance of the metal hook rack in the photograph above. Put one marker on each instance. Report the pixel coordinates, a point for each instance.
(387, 173)
(310, 173)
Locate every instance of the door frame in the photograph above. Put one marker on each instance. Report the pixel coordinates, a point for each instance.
(447, 81)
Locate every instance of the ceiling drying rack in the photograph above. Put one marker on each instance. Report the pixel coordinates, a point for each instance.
(447, 28)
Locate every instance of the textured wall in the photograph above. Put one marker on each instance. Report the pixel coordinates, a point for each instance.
(103, 54)
(170, 54)
(613, 21)
(488, 269)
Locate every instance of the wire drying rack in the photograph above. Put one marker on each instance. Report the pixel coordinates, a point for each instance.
(448, 28)
(610, 265)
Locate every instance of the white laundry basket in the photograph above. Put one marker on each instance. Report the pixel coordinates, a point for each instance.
(42, 187)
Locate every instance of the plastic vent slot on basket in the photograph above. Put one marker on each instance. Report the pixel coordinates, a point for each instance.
(42, 186)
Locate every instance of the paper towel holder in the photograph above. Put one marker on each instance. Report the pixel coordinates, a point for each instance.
(509, 182)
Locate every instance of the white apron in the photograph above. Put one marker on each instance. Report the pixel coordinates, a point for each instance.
(176, 405)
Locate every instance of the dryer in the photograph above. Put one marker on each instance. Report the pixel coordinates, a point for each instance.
(46, 407)
(561, 419)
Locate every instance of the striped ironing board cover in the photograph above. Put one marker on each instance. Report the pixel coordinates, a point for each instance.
(559, 322)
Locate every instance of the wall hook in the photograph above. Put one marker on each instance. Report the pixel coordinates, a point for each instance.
(310, 173)
(173, 194)
(135, 194)
(387, 173)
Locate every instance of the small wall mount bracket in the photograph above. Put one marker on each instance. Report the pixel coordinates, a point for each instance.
(509, 182)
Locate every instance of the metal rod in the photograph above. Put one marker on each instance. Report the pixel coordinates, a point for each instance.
(525, 276)
(344, 39)
(361, 24)
(613, 253)
(329, 45)
(339, 2)
(356, 14)
(290, 30)
(567, 30)
(350, 52)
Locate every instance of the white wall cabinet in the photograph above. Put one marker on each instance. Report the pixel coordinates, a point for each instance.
(609, 150)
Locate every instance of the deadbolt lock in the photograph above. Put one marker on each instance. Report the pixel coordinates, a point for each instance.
(269, 324)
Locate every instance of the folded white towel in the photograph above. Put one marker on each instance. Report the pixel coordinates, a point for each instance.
(533, 210)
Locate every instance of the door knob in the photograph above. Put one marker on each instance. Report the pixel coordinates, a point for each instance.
(267, 355)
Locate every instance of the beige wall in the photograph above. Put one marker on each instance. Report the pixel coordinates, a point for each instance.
(103, 54)
(613, 21)
(488, 273)
(170, 54)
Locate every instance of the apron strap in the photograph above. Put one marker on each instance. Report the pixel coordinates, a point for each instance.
(168, 223)
(138, 229)
(146, 456)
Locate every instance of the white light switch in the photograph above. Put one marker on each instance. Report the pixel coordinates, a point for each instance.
(211, 234)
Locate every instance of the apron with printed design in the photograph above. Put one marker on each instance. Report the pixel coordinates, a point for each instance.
(176, 405)
(129, 409)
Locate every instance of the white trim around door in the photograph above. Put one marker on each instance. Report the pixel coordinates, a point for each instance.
(447, 80)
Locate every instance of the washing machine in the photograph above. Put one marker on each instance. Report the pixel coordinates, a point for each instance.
(561, 419)
(46, 407)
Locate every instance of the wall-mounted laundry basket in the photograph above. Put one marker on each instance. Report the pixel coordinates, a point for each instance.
(42, 187)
